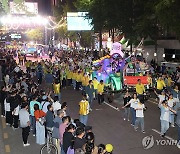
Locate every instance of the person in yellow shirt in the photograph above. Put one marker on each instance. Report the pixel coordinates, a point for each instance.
(95, 84)
(74, 79)
(83, 110)
(56, 89)
(169, 83)
(78, 80)
(160, 85)
(69, 77)
(100, 91)
(140, 90)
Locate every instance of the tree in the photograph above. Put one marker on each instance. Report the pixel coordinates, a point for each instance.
(169, 15)
(86, 39)
(96, 13)
(35, 34)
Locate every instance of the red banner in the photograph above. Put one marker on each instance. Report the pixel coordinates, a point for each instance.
(132, 80)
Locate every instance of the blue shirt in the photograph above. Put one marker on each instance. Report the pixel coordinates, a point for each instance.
(57, 122)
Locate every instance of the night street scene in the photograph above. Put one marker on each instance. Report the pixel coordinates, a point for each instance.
(89, 76)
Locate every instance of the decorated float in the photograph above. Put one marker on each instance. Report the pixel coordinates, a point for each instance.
(109, 68)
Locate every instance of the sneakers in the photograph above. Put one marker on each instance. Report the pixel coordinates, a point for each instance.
(128, 120)
(124, 119)
(132, 125)
(34, 135)
(172, 125)
(90, 109)
(27, 144)
(162, 135)
(178, 145)
(143, 132)
(135, 129)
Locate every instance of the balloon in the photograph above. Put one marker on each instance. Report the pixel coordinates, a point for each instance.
(109, 147)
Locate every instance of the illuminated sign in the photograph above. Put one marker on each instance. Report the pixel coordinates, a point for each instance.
(25, 8)
(77, 21)
(15, 36)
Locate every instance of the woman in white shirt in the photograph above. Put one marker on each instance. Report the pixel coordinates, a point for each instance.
(139, 116)
(161, 97)
(171, 103)
(165, 117)
(133, 103)
(56, 105)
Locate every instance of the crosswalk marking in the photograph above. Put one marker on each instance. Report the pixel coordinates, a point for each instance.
(169, 138)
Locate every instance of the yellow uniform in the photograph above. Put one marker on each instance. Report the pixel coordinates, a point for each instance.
(140, 89)
(86, 80)
(160, 84)
(169, 82)
(95, 84)
(56, 88)
(69, 74)
(78, 78)
(73, 75)
(84, 107)
(100, 88)
(27, 64)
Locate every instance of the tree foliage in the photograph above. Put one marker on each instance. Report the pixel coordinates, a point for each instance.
(35, 34)
(135, 18)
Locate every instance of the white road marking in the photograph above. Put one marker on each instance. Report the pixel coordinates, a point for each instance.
(115, 108)
(98, 109)
(169, 138)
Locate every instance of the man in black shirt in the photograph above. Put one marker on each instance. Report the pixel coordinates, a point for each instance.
(79, 140)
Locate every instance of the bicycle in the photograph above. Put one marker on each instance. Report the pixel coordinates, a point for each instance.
(49, 147)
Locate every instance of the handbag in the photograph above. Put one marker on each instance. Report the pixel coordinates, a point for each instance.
(42, 120)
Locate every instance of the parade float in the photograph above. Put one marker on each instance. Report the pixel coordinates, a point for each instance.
(119, 71)
(109, 68)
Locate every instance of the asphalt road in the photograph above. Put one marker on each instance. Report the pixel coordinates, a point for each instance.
(108, 126)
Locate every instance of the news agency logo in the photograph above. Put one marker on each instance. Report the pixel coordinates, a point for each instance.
(148, 142)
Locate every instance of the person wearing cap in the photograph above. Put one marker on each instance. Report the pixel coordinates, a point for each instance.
(109, 148)
(140, 90)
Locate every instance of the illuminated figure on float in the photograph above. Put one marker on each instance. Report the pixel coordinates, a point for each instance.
(109, 68)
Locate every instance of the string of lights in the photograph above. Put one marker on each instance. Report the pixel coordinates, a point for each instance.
(14, 22)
